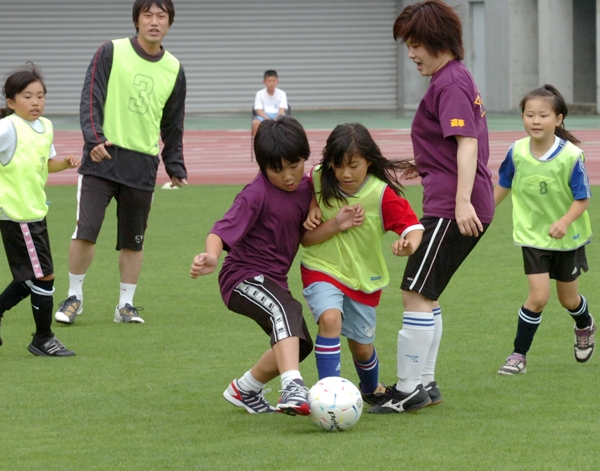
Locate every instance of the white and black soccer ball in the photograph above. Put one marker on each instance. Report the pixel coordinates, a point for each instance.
(335, 404)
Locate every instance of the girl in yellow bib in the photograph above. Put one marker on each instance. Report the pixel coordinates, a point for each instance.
(26, 157)
(344, 275)
(550, 195)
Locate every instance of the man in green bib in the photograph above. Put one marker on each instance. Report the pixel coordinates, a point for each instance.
(133, 96)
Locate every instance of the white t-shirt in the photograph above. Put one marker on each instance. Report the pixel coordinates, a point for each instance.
(270, 103)
(8, 144)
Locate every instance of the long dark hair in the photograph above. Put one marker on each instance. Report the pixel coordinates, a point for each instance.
(18, 81)
(354, 139)
(559, 106)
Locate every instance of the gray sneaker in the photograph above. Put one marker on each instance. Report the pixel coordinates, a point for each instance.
(253, 402)
(434, 393)
(50, 348)
(294, 399)
(68, 310)
(128, 314)
(514, 365)
(585, 343)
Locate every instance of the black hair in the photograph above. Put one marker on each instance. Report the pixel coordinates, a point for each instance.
(354, 139)
(278, 140)
(559, 106)
(270, 73)
(140, 6)
(18, 81)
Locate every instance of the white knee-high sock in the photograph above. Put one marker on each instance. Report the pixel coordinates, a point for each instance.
(429, 370)
(414, 342)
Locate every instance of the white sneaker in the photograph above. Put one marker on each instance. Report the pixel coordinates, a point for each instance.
(68, 310)
(128, 313)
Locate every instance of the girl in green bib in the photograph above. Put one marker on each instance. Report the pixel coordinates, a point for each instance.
(343, 276)
(550, 195)
(26, 156)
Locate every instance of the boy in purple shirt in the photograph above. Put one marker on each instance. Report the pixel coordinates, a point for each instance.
(262, 231)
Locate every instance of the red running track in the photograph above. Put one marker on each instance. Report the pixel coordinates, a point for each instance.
(223, 157)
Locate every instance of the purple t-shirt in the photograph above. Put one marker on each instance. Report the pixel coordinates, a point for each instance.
(451, 107)
(262, 232)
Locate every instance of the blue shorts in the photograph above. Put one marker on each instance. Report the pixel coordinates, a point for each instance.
(270, 115)
(358, 320)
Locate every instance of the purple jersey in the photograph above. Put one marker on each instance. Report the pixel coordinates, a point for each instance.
(262, 232)
(451, 107)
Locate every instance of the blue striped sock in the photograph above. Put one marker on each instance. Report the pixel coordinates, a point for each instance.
(328, 355)
(368, 373)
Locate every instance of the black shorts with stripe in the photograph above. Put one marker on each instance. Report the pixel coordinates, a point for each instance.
(27, 249)
(565, 266)
(274, 309)
(133, 208)
(443, 249)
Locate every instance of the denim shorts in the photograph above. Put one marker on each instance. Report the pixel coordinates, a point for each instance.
(358, 320)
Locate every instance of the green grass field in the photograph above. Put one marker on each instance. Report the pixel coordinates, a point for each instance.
(149, 397)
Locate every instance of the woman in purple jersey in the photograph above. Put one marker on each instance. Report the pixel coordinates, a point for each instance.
(450, 142)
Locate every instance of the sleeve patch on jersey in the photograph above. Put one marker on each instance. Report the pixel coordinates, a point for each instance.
(457, 123)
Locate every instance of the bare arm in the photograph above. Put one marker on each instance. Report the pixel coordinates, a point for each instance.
(408, 244)
(559, 228)
(206, 262)
(58, 165)
(500, 193)
(466, 217)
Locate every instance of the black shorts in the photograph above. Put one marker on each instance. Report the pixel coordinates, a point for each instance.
(443, 249)
(27, 249)
(562, 266)
(274, 309)
(133, 207)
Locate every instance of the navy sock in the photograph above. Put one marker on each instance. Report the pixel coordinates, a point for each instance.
(328, 355)
(42, 305)
(581, 315)
(14, 293)
(529, 322)
(368, 373)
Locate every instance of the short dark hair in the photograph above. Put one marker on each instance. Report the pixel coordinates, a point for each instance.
(140, 6)
(280, 139)
(432, 24)
(18, 81)
(270, 73)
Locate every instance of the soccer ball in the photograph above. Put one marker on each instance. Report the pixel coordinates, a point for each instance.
(335, 404)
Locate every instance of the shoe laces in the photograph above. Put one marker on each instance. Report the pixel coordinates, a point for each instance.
(584, 337)
(514, 362)
(131, 310)
(292, 387)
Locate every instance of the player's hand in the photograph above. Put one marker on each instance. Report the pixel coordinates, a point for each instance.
(558, 230)
(313, 219)
(72, 161)
(467, 220)
(402, 248)
(203, 264)
(349, 216)
(100, 153)
(178, 182)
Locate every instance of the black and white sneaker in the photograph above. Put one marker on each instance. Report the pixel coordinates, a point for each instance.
(394, 401)
(294, 399)
(585, 342)
(374, 397)
(434, 393)
(50, 348)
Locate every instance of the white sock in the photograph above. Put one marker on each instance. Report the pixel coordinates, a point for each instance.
(288, 376)
(429, 370)
(126, 293)
(76, 286)
(250, 383)
(414, 341)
